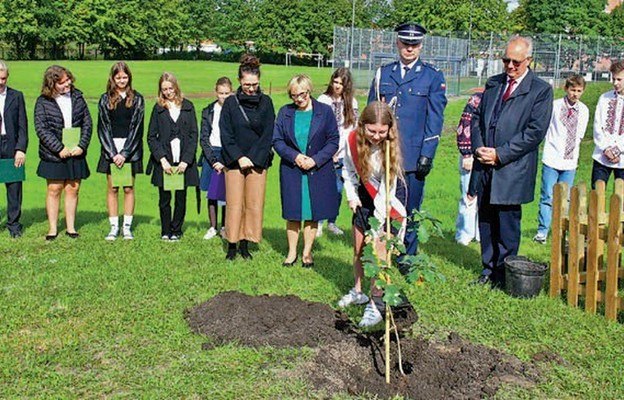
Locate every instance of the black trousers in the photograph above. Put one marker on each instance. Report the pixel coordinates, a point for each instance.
(602, 173)
(14, 206)
(499, 227)
(169, 226)
(13, 192)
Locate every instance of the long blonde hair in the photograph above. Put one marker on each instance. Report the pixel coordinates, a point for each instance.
(378, 113)
(169, 77)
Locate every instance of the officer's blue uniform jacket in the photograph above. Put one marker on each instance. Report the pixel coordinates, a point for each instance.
(419, 107)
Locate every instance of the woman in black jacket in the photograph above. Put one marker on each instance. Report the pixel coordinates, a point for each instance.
(246, 127)
(61, 106)
(120, 130)
(172, 140)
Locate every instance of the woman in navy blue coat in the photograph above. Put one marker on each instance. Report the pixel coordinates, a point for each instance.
(306, 137)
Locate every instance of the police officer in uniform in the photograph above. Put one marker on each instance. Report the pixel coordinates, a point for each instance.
(417, 93)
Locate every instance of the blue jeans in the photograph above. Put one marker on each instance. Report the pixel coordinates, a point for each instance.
(467, 223)
(550, 177)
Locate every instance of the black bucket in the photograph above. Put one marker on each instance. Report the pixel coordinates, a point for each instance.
(523, 277)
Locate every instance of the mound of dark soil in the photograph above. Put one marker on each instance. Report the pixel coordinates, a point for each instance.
(352, 362)
(278, 321)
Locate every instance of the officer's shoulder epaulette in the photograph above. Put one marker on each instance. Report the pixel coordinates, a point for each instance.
(432, 66)
(390, 64)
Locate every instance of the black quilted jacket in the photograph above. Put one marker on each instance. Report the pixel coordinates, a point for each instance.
(49, 125)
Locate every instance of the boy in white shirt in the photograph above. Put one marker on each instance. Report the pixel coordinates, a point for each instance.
(609, 129)
(561, 148)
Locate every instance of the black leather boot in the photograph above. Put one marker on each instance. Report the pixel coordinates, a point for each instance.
(243, 250)
(231, 253)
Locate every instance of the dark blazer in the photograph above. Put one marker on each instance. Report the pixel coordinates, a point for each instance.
(133, 149)
(49, 125)
(204, 135)
(322, 145)
(159, 141)
(15, 122)
(239, 139)
(521, 127)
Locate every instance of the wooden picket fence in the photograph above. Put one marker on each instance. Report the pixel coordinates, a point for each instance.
(591, 266)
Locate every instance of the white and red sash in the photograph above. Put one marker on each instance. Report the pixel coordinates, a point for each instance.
(376, 188)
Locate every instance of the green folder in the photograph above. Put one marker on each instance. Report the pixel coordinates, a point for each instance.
(121, 176)
(8, 172)
(175, 181)
(71, 137)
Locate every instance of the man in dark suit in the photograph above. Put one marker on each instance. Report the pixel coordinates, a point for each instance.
(13, 143)
(507, 130)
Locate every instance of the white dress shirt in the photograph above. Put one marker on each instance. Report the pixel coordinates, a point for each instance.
(2, 103)
(215, 135)
(65, 104)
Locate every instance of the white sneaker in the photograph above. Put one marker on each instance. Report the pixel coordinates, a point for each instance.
(464, 242)
(127, 233)
(540, 238)
(319, 230)
(212, 232)
(333, 228)
(165, 238)
(112, 235)
(353, 297)
(222, 232)
(371, 316)
(174, 238)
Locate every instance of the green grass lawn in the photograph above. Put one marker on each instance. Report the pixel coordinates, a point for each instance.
(88, 318)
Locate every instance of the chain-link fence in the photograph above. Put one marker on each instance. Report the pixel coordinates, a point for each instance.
(468, 58)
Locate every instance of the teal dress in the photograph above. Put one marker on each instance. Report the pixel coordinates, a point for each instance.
(303, 121)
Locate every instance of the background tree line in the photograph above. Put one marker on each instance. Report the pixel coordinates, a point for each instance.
(136, 29)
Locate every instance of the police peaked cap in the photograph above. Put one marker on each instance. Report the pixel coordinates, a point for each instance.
(410, 33)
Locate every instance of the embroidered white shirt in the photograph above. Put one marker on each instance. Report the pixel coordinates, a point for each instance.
(557, 135)
(338, 108)
(609, 127)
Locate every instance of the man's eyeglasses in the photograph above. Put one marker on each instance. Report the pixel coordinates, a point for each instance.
(298, 96)
(516, 63)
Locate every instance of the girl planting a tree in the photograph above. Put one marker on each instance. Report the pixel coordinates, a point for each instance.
(365, 186)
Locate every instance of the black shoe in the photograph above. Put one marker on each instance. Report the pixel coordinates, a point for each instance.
(72, 235)
(15, 234)
(49, 238)
(231, 253)
(308, 264)
(404, 268)
(244, 251)
(290, 264)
